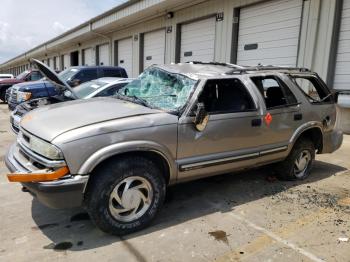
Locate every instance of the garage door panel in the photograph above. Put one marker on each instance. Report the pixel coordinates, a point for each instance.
(273, 24)
(88, 57)
(154, 48)
(344, 57)
(267, 8)
(273, 44)
(344, 78)
(125, 55)
(343, 46)
(275, 27)
(198, 40)
(271, 53)
(281, 61)
(344, 34)
(274, 35)
(104, 55)
(342, 68)
(346, 5)
(66, 61)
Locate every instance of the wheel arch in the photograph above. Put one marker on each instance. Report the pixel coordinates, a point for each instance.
(150, 150)
(312, 131)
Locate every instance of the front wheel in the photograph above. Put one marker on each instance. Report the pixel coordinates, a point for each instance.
(298, 164)
(125, 195)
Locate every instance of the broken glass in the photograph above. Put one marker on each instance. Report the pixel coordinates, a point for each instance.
(160, 89)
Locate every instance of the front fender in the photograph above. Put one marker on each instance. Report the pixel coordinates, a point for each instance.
(124, 147)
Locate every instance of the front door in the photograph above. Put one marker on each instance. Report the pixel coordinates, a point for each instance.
(232, 136)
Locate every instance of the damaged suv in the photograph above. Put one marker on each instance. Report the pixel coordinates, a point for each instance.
(116, 156)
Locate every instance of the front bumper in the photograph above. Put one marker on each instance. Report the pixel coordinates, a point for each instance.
(62, 193)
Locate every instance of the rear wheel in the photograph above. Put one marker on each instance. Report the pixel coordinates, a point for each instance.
(298, 164)
(125, 195)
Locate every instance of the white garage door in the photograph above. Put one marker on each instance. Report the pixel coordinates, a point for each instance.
(66, 61)
(269, 33)
(88, 57)
(154, 48)
(104, 55)
(125, 55)
(342, 68)
(198, 41)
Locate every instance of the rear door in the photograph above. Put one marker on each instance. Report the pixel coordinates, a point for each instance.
(282, 115)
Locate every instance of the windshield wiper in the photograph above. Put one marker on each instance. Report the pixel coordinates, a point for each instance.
(135, 99)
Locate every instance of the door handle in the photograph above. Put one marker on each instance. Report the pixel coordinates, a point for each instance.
(256, 122)
(298, 117)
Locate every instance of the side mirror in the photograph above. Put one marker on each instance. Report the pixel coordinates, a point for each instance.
(201, 117)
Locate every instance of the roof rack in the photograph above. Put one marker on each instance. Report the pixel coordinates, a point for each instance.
(243, 69)
(216, 63)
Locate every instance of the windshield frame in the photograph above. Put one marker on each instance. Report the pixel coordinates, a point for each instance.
(136, 99)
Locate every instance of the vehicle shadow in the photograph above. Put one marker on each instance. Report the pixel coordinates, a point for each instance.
(184, 202)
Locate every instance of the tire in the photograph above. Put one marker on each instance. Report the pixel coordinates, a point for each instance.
(109, 183)
(3, 95)
(303, 153)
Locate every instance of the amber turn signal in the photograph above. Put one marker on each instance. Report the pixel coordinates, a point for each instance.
(38, 177)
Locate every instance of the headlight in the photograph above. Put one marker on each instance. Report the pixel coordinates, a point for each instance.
(41, 147)
(23, 96)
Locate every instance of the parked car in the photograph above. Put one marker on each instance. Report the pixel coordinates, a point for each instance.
(73, 76)
(116, 155)
(6, 76)
(28, 75)
(106, 86)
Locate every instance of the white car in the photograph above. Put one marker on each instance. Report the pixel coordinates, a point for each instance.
(3, 76)
(106, 86)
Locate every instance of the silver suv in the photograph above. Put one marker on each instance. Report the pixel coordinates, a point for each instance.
(116, 156)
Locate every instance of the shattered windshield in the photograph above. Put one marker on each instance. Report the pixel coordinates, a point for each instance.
(160, 89)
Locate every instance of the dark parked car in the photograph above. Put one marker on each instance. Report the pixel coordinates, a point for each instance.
(73, 76)
(28, 75)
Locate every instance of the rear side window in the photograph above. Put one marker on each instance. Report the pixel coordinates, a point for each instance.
(86, 75)
(109, 72)
(312, 89)
(226, 96)
(275, 91)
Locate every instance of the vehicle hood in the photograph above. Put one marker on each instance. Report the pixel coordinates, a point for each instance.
(51, 76)
(50, 121)
(29, 86)
(10, 81)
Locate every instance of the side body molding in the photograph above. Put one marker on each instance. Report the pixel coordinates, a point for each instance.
(124, 147)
